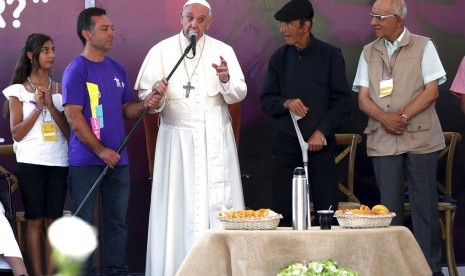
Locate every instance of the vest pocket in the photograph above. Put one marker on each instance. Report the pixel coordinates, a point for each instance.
(418, 127)
(370, 129)
(418, 135)
(372, 136)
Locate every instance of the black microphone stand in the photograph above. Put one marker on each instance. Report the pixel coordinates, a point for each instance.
(128, 137)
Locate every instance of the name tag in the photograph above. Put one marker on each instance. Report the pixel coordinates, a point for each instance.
(386, 87)
(49, 131)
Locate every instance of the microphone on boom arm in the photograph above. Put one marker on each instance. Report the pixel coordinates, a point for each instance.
(192, 39)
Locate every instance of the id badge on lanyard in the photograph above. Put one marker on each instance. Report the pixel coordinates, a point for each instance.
(386, 87)
(49, 129)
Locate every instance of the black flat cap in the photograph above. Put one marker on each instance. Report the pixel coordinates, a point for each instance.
(294, 10)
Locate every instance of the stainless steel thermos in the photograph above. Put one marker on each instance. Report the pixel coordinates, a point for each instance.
(299, 200)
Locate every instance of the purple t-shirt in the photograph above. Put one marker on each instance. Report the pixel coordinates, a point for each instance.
(101, 88)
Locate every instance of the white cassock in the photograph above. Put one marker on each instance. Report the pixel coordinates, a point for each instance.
(196, 169)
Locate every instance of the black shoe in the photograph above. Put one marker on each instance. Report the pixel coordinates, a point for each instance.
(438, 273)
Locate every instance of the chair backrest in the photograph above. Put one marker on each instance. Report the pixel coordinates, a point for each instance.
(348, 143)
(151, 132)
(451, 139)
(5, 197)
(7, 150)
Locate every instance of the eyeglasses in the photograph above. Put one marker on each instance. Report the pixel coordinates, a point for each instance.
(379, 17)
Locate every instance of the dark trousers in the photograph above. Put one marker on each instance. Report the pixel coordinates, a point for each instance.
(421, 177)
(322, 178)
(114, 196)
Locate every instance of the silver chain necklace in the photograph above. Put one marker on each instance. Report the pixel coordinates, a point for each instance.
(34, 88)
(188, 86)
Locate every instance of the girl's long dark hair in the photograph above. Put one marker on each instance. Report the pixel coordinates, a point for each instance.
(25, 66)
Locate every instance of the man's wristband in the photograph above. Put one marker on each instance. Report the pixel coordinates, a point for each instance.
(403, 116)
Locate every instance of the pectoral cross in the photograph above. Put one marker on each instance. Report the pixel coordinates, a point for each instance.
(188, 88)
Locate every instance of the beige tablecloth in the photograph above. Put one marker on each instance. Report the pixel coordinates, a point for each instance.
(380, 251)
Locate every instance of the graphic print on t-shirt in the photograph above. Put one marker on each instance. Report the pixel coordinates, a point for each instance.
(96, 108)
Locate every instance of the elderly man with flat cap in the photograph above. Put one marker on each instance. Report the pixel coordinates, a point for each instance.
(196, 170)
(306, 76)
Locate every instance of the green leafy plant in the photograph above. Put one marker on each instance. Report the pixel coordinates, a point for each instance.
(321, 268)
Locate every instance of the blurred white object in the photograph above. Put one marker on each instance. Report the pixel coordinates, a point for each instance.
(4, 264)
(73, 237)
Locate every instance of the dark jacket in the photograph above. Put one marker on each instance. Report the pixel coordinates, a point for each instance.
(317, 76)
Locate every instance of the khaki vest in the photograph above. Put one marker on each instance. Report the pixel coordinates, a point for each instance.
(424, 133)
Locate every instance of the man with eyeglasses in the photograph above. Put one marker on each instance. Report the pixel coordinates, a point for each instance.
(196, 170)
(306, 76)
(397, 83)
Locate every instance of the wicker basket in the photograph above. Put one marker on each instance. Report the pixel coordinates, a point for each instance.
(364, 221)
(265, 223)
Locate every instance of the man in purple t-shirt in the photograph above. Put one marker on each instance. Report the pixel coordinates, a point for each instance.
(97, 98)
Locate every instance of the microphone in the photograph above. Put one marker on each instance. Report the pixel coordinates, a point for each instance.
(192, 39)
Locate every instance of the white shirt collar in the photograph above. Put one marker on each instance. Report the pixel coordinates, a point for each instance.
(392, 46)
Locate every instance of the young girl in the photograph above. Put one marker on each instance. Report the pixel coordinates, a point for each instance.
(40, 132)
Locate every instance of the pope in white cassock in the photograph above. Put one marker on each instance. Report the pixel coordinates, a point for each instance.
(196, 169)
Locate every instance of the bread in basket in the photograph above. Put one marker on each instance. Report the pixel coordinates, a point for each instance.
(364, 217)
(262, 219)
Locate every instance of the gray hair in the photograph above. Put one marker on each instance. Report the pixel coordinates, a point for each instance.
(399, 8)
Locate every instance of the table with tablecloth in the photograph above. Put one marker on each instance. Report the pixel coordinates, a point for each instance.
(374, 251)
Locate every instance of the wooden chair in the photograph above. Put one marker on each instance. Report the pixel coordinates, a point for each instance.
(448, 206)
(348, 143)
(151, 132)
(345, 160)
(5, 268)
(7, 150)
